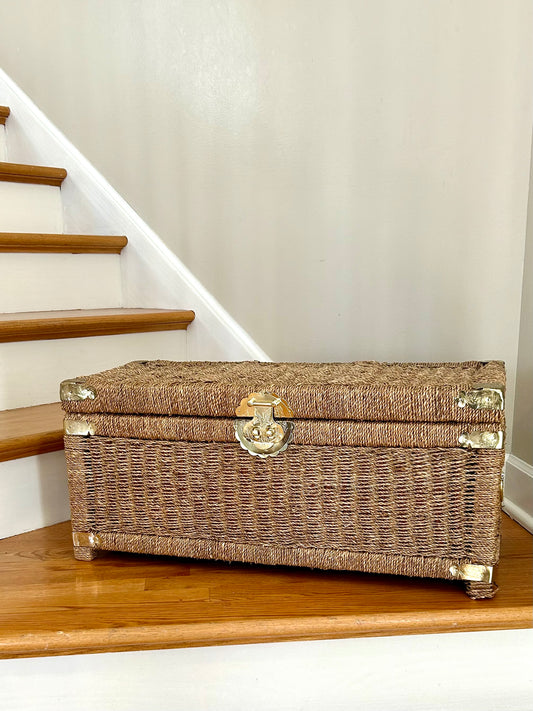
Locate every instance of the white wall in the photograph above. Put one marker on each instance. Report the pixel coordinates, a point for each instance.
(348, 178)
(523, 415)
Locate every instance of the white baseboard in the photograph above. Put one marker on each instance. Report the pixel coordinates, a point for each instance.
(152, 275)
(33, 493)
(518, 491)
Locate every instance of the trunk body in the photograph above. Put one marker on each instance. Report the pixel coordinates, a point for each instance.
(384, 468)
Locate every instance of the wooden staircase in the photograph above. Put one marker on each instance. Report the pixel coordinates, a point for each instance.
(35, 430)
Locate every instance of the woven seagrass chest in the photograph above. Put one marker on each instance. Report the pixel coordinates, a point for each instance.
(375, 467)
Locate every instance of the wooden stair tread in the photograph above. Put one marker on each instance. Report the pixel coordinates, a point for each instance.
(4, 113)
(53, 604)
(27, 431)
(24, 173)
(73, 244)
(44, 325)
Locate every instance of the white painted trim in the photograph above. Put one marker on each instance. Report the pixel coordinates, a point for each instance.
(152, 275)
(518, 500)
(518, 514)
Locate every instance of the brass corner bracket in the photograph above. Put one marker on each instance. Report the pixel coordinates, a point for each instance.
(482, 440)
(472, 572)
(485, 396)
(85, 539)
(75, 390)
(81, 428)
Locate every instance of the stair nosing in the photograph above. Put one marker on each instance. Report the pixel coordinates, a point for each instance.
(53, 325)
(31, 174)
(17, 448)
(27, 440)
(55, 243)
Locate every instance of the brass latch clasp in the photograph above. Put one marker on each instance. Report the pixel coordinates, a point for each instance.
(263, 436)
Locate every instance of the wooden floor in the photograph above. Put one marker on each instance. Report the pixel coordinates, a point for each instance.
(53, 604)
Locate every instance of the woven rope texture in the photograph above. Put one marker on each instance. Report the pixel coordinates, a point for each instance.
(335, 433)
(481, 591)
(400, 501)
(368, 391)
(323, 558)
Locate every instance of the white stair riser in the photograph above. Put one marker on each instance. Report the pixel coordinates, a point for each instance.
(30, 208)
(30, 371)
(3, 149)
(33, 493)
(45, 282)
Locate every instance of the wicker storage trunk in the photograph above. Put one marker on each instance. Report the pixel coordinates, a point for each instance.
(376, 467)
